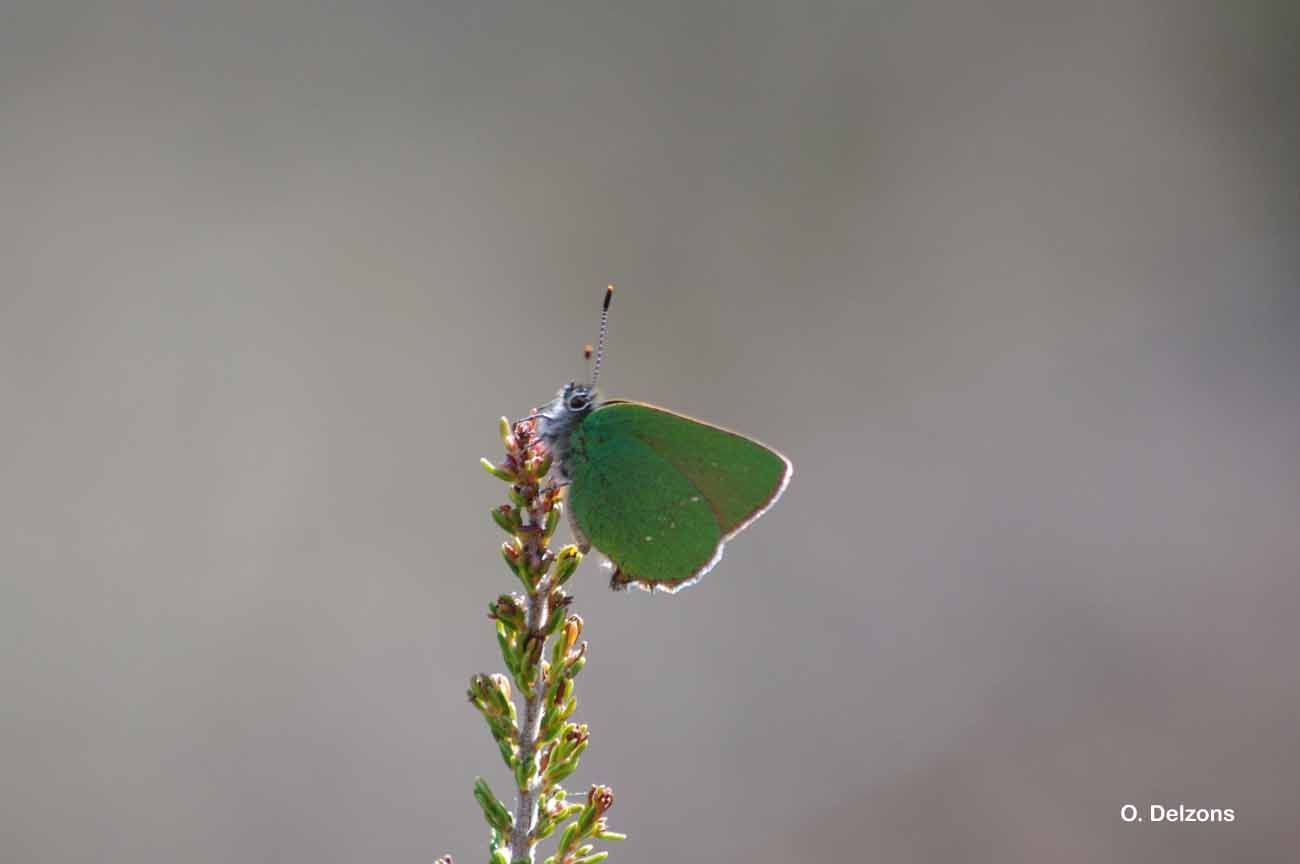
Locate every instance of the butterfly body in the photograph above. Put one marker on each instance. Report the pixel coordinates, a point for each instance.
(656, 492)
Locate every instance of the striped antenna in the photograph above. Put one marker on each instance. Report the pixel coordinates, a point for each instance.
(600, 342)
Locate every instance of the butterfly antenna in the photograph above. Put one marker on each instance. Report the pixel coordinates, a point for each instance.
(600, 342)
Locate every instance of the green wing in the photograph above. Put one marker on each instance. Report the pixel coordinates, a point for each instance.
(660, 493)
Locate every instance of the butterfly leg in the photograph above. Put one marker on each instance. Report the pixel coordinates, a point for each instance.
(578, 537)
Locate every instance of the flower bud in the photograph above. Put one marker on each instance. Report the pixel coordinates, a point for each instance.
(601, 798)
(538, 465)
(572, 630)
(502, 685)
(478, 690)
(512, 552)
(508, 611)
(576, 734)
(489, 696)
(566, 562)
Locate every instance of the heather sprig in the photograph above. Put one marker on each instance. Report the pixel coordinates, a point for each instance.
(542, 747)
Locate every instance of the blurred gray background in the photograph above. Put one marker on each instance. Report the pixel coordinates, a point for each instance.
(1014, 285)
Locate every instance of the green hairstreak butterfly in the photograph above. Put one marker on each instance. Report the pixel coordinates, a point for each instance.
(656, 492)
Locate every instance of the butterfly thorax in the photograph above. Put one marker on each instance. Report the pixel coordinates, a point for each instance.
(558, 418)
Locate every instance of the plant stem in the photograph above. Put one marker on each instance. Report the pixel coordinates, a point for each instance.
(521, 846)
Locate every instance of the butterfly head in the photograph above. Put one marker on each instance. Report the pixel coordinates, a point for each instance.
(570, 405)
(578, 398)
(558, 418)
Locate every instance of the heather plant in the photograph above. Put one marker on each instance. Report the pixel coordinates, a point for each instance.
(528, 709)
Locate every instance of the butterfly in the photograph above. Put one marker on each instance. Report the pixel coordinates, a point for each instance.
(656, 492)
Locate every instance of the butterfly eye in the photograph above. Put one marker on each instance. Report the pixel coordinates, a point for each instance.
(577, 403)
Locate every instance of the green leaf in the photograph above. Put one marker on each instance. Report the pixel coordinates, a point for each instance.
(497, 472)
(507, 752)
(496, 814)
(505, 516)
(552, 522)
(523, 772)
(568, 837)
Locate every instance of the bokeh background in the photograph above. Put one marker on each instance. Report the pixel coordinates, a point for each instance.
(1014, 285)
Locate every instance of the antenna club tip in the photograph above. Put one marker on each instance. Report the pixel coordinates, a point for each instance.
(609, 295)
(586, 351)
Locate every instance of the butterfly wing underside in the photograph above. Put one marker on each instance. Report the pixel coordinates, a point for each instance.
(659, 493)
